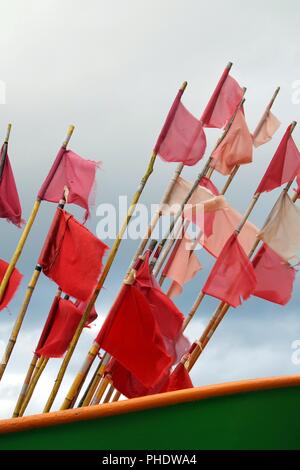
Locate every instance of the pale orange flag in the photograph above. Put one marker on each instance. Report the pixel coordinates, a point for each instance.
(236, 148)
(184, 266)
(218, 220)
(263, 133)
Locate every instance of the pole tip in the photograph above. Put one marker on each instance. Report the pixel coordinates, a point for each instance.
(229, 65)
(9, 126)
(293, 125)
(69, 135)
(183, 86)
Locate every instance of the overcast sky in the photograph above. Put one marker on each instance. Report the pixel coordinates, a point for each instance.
(112, 69)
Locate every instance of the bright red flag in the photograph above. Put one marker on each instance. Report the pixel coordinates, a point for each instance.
(72, 256)
(179, 379)
(73, 172)
(275, 276)
(232, 277)
(223, 102)
(10, 207)
(12, 286)
(60, 327)
(185, 141)
(284, 166)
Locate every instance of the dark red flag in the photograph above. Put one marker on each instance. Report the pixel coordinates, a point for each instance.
(232, 277)
(60, 327)
(179, 379)
(284, 166)
(72, 256)
(12, 286)
(10, 207)
(275, 276)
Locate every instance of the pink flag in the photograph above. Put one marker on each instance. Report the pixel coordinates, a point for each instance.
(217, 220)
(275, 277)
(223, 103)
(263, 133)
(10, 207)
(232, 277)
(76, 175)
(185, 140)
(235, 149)
(182, 267)
(284, 166)
(12, 286)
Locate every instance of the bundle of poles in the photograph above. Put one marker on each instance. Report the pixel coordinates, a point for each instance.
(100, 387)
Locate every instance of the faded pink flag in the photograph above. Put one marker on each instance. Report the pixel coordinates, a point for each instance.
(236, 148)
(183, 267)
(263, 133)
(76, 175)
(218, 220)
(185, 140)
(10, 207)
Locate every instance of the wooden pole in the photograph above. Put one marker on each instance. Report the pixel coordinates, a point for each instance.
(106, 269)
(109, 394)
(4, 151)
(91, 389)
(22, 312)
(116, 396)
(26, 231)
(104, 383)
(39, 370)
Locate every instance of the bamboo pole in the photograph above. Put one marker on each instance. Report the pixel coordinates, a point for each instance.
(109, 394)
(22, 312)
(18, 251)
(38, 372)
(106, 269)
(104, 383)
(91, 389)
(4, 151)
(116, 396)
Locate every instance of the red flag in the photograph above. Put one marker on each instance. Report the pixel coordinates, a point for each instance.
(298, 188)
(223, 102)
(143, 329)
(73, 172)
(60, 327)
(72, 256)
(275, 277)
(284, 166)
(232, 277)
(208, 184)
(10, 207)
(12, 286)
(185, 140)
(179, 379)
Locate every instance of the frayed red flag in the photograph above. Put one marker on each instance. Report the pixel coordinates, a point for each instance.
(12, 286)
(72, 256)
(232, 277)
(223, 102)
(73, 173)
(60, 327)
(284, 166)
(275, 276)
(10, 207)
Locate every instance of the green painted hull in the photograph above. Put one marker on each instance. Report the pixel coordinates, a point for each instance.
(262, 419)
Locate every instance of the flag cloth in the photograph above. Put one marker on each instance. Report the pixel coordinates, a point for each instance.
(218, 220)
(12, 286)
(265, 132)
(232, 277)
(208, 184)
(179, 193)
(282, 230)
(179, 379)
(73, 172)
(223, 102)
(298, 187)
(284, 166)
(185, 140)
(143, 329)
(10, 207)
(183, 266)
(60, 327)
(235, 149)
(72, 256)
(275, 277)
